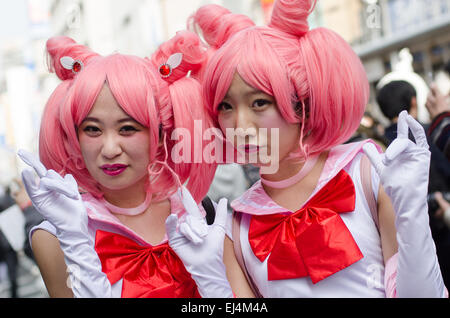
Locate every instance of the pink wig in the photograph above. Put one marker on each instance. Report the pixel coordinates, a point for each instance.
(315, 77)
(160, 104)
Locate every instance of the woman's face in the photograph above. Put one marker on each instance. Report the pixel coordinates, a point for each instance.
(114, 146)
(259, 127)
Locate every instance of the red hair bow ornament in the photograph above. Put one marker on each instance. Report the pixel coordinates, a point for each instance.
(70, 64)
(165, 69)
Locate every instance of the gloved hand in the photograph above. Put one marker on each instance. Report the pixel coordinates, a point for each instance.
(200, 247)
(403, 171)
(57, 199)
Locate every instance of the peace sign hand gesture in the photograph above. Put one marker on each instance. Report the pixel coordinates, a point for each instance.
(56, 198)
(200, 247)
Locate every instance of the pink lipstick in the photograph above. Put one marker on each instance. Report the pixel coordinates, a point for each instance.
(249, 148)
(113, 170)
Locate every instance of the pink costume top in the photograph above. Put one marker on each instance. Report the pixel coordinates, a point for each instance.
(159, 270)
(364, 277)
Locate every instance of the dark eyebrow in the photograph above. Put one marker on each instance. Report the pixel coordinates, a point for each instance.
(96, 120)
(250, 92)
(254, 92)
(123, 120)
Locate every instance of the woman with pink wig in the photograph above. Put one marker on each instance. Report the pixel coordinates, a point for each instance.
(322, 224)
(108, 133)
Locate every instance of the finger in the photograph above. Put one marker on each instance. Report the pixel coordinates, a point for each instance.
(71, 180)
(64, 185)
(187, 231)
(402, 125)
(171, 226)
(29, 182)
(395, 148)
(189, 203)
(33, 162)
(198, 225)
(52, 174)
(431, 100)
(375, 158)
(59, 187)
(221, 213)
(72, 183)
(418, 132)
(435, 90)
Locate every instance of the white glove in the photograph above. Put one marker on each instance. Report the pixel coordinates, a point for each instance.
(403, 171)
(200, 247)
(57, 199)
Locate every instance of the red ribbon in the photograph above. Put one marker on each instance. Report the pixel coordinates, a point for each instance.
(147, 271)
(314, 241)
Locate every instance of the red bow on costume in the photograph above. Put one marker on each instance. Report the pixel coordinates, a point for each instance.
(147, 271)
(314, 241)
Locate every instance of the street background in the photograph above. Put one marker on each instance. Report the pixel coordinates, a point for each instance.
(392, 38)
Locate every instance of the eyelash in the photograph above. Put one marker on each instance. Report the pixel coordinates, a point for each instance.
(91, 129)
(221, 106)
(264, 101)
(128, 129)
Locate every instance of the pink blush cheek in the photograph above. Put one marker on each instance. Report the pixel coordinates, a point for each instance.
(271, 119)
(89, 145)
(223, 125)
(138, 144)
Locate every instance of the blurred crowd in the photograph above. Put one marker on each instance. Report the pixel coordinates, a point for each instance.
(17, 259)
(232, 180)
(399, 95)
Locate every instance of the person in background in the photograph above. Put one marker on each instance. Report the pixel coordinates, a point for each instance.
(438, 133)
(392, 99)
(438, 105)
(370, 128)
(444, 209)
(397, 96)
(230, 181)
(7, 253)
(32, 217)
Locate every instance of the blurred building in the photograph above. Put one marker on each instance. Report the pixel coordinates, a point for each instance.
(22, 79)
(133, 26)
(379, 29)
(421, 26)
(130, 27)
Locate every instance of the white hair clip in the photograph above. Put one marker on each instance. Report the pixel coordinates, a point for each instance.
(70, 64)
(173, 62)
